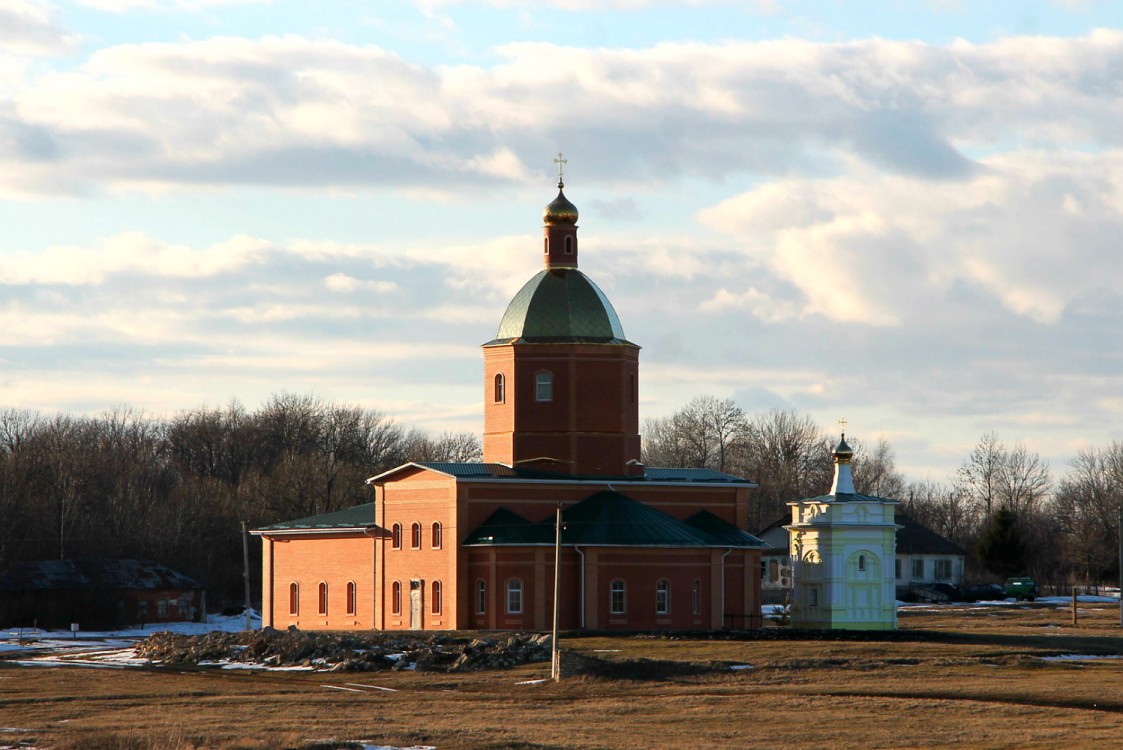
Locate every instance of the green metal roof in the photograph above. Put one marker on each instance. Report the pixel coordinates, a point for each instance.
(723, 532)
(502, 471)
(560, 305)
(358, 517)
(847, 497)
(611, 519)
(507, 527)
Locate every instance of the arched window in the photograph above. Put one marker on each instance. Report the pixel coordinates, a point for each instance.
(435, 596)
(543, 385)
(696, 597)
(545, 245)
(396, 536)
(437, 535)
(617, 596)
(569, 245)
(633, 392)
(396, 598)
(415, 536)
(323, 598)
(294, 599)
(500, 389)
(862, 563)
(662, 597)
(514, 597)
(481, 597)
(351, 598)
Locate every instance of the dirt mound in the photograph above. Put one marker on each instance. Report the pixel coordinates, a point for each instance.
(359, 652)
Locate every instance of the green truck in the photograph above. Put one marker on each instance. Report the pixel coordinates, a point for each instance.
(1021, 588)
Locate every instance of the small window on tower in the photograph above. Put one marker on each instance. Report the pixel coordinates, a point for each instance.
(569, 246)
(544, 386)
(500, 389)
(545, 245)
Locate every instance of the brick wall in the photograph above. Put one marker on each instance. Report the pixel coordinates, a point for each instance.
(308, 561)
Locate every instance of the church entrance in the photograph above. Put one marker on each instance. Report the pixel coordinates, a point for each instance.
(416, 588)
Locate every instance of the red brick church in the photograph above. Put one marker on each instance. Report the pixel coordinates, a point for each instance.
(471, 545)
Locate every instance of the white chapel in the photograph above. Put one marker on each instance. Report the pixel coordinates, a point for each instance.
(843, 547)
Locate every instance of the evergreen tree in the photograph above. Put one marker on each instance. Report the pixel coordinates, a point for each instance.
(1001, 548)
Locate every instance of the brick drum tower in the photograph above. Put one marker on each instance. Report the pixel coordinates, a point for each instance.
(561, 380)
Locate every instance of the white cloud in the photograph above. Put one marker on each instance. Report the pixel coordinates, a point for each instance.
(27, 27)
(341, 282)
(127, 253)
(758, 6)
(876, 249)
(294, 111)
(761, 305)
(122, 6)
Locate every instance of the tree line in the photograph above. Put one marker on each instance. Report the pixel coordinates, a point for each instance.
(175, 490)
(1002, 506)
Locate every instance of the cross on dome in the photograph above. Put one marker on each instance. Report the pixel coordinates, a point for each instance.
(561, 161)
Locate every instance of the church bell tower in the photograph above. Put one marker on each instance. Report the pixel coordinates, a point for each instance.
(561, 382)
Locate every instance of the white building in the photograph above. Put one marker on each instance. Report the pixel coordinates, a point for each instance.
(844, 548)
(925, 558)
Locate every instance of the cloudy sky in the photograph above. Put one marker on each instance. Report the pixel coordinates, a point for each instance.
(905, 212)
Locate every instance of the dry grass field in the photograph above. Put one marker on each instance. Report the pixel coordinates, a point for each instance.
(954, 677)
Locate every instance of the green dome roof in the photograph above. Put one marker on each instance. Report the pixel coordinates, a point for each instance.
(560, 305)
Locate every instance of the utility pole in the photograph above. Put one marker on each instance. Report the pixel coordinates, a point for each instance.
(555, 656)
(1121, 564)
(246, 569)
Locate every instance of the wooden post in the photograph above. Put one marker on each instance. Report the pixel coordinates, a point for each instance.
(1074, 604)
(555, 660)
(246, 568)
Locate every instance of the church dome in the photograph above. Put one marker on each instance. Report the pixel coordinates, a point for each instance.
(560, 210)
(560, 305)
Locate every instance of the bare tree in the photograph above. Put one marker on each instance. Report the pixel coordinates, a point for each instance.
(979, 479)
(1024, 481)
(451, 447)
(702, 434)
(943, 510)
(663, 443)
(1086, 509)
(788, 456)
(875, 470)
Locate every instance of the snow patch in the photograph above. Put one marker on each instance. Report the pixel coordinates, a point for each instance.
(1081, 657)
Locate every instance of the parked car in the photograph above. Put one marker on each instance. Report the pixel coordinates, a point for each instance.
(1021, 588)
(984, 592)
(935, 592)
